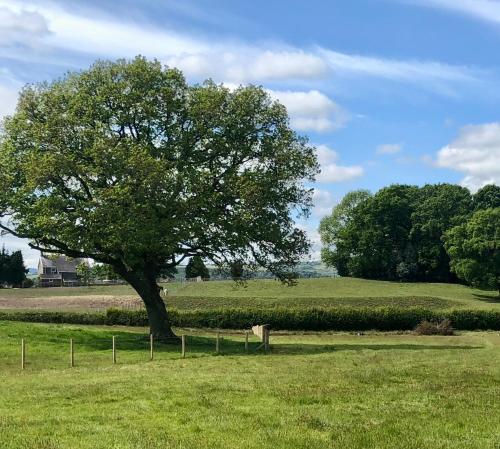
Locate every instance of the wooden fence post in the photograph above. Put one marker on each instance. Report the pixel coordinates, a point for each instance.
(246, 341)
(71, 354)
(23, 353)
(114, 349)
(151, 346)
(217, 344)
(266, 340)
(183, 346)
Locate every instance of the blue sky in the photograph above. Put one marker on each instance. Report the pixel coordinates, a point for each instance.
(390, 91)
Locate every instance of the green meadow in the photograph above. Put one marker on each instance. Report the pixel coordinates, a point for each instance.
(322, 390)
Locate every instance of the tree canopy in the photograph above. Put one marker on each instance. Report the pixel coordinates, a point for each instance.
(12, 269)
(397, 233)
(196, 267)
(474, 249)
(129, 165)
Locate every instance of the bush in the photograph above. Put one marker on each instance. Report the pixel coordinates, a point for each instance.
(435, 328)
(28, 283)
(313, 319)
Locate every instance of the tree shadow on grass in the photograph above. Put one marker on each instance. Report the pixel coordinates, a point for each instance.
(291, 349)
(89, 341)
(487, 298)
(140, 342)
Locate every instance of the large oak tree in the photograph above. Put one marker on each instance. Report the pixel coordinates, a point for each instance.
(129, 165)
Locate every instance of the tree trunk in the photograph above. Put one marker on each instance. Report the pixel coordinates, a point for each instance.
(149, 291)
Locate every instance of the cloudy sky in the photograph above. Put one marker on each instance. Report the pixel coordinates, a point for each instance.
(390, 91)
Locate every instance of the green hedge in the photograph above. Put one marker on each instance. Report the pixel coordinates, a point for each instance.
(314, 319)
(55, 317)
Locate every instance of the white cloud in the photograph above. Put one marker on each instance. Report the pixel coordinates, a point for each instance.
(331, 172)
(8, 99)
(311, 110)
(21, 26)
(91, 33)
(488, 10)
(12, 243)
(9, 91)
(244, 64)
(476, 153)
(430, 74)
(339, 173)
(389, 148)
(323, 201)
(101, 36)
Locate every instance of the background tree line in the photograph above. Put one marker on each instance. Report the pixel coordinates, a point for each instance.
(12, 269)
(434, 233)
(88, 274)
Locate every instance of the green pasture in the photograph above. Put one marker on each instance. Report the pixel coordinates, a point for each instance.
(321, 292)
(326, 390)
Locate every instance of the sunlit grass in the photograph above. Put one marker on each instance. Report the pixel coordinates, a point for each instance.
(323, 292)
(324, 390)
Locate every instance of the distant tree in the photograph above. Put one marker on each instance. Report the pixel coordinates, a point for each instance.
(85, 272)
(487, 197)
(196, 267)
(474, 249)
(332, 231)
(237, 269)
(4, 266)
(103, 271)
(396, 234)
(17, 271)
(12, 269)
(438, 208)
(128, 164)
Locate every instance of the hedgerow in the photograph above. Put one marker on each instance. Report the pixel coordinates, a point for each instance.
(312, 319)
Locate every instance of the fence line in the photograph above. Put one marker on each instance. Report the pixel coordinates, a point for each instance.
(115, 345)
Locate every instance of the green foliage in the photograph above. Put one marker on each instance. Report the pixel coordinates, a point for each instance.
(103, 271)
(12, 269)
(85, 272)
(487, 197)
(474, 249)
(332, 227)
(128, 164)
(237, 269)
(395, 234)
(310, 319)
(438, 208)
(196, 267)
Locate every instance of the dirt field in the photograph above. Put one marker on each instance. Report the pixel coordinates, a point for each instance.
(71, 303)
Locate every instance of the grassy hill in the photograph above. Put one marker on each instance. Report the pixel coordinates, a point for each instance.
(321, 292)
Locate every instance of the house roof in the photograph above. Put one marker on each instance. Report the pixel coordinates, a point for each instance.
(61, 263)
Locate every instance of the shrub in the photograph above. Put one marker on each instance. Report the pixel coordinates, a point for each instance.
(435, 328)
(27, 283)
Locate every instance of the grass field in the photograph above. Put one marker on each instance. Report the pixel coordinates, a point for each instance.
(322, 292)
(312, 391)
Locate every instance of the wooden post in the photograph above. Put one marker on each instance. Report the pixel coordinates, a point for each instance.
(151, 347)
(183, 345)
(23, 353)
(217, 345)
(71, 354)
(114, 349)
(246, 341)
(266, 340)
